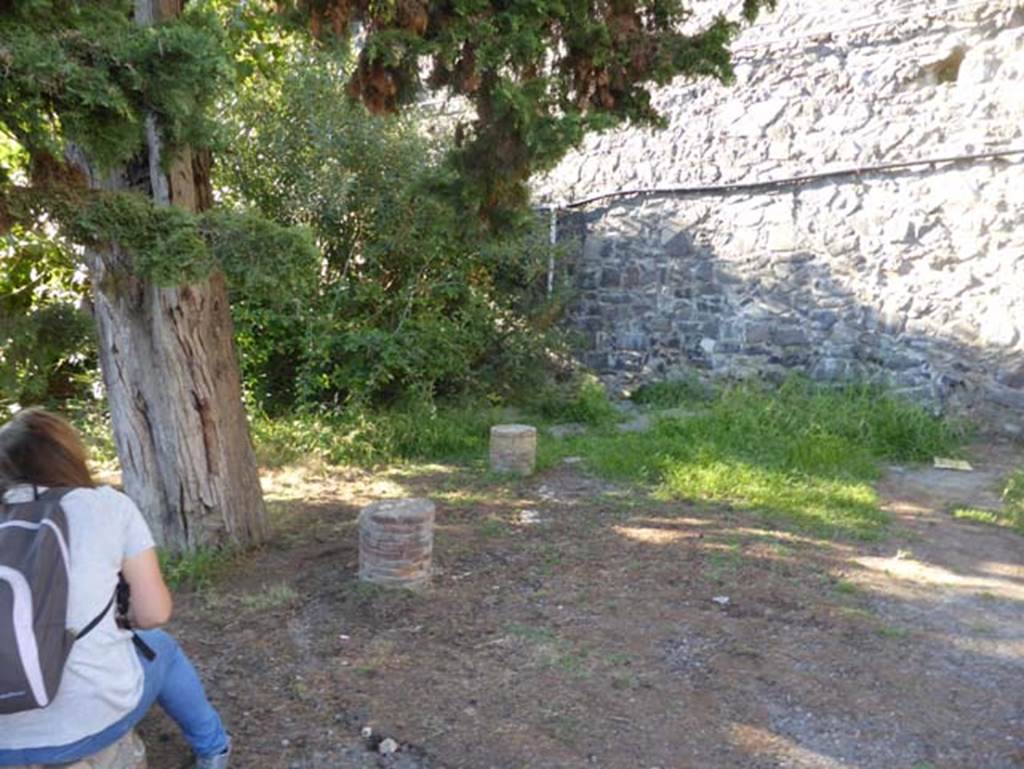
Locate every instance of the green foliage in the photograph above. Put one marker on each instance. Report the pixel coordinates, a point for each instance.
(85, 73)
(414, 431)
(92, 421)
(672, 393)
(1012, 513)
(273, 273)
(171, 246)
(410, 299)
(799, 454)
(583, 399)
(539, 75)
(46, 342)
(165, 242)
(196, 570)
(47, 345)
(1013, 491)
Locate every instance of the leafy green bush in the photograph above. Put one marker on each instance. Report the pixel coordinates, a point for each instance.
(47, 352)
(582, 399)
(410, 296)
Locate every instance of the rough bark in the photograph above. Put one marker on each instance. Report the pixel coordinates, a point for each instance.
(169, 366)
(176, 406)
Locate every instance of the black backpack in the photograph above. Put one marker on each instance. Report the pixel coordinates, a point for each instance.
(34, 569)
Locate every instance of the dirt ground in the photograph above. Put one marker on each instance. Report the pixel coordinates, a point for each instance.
(572, 623)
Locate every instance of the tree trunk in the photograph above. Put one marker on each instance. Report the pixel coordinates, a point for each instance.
(170, 371)
(175, 398)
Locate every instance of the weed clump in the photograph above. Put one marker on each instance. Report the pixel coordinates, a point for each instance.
(583, 400)
(196, 570)
(1012, 513)
(1013, 499)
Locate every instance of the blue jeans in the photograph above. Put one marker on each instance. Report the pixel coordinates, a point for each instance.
(171, 681)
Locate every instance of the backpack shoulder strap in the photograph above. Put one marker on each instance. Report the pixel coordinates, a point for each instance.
(96, 620)
(52, 494)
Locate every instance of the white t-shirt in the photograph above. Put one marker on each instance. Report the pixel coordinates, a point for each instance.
(102, 681)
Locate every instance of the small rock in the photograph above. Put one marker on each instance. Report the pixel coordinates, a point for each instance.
(367, 732)
(545, 493)
(387, 747)
(721, 600)
(285, 743)
(572, 460)
(948, 463)
(529, 516)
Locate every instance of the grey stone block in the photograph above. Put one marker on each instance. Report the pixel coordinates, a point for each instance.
(758, 333)
(787, 336)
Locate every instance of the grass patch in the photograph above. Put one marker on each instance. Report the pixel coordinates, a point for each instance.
(583, 401)
(371, 438)
(673, 393)
(1012, 514)
(551, 651)
(978, 516)
(1013, 498)
(990, 517)
(531, 633)
(196, 570)
(492, 528)
(272, 597)
(799, 455)
(844, 587)
(422, 431)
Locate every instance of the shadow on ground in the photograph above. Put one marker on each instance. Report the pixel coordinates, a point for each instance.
(574, 624)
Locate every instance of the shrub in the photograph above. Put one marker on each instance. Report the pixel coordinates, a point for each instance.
(409, 297)
(582, 399)
(47, 348)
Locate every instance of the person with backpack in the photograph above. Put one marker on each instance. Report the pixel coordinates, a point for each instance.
(72, 680)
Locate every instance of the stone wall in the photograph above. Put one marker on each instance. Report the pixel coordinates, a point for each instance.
(912, 274)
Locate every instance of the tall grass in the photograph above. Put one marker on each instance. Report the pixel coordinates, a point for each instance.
(800, 454)
(671, 393)
(583, 401)
(421, 430)
(367, 438)
(797, 455)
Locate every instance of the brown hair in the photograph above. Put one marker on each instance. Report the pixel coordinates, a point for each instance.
(41, 448)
